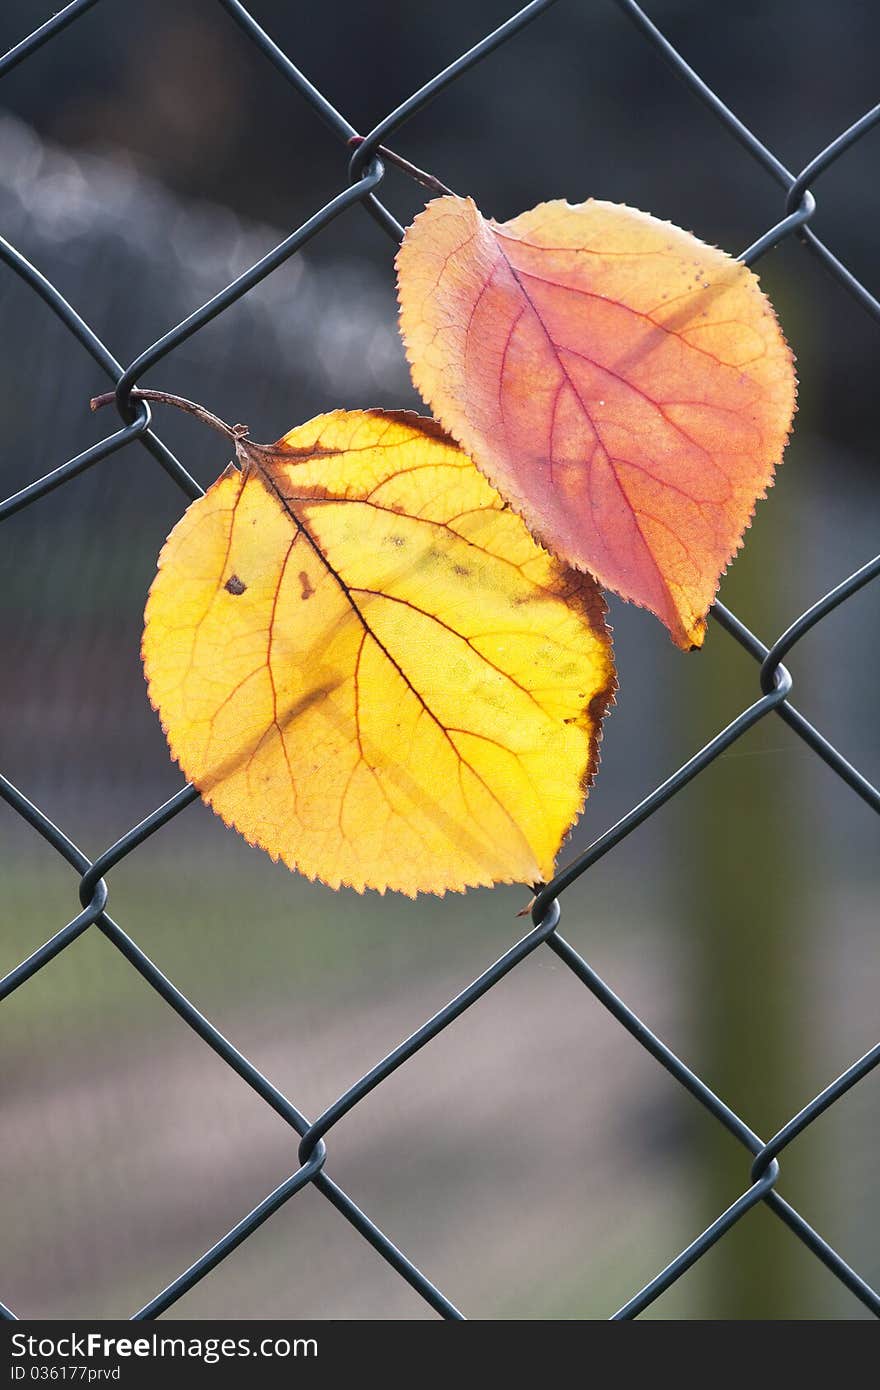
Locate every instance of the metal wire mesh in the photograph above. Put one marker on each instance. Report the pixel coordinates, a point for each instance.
(366, 173)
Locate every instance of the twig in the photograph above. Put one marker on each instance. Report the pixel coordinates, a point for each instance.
(426, 180)
(233, 432)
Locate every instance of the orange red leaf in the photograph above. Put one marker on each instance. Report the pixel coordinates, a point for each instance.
(626, 387)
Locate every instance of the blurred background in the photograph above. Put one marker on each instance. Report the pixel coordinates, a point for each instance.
(533, 1160)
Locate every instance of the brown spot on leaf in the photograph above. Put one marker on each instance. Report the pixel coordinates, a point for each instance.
(234, 585)
(308, 587)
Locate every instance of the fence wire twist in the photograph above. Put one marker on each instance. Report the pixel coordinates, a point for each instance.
(365, 174)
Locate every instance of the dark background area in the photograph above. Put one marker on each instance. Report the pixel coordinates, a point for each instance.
(147, 156)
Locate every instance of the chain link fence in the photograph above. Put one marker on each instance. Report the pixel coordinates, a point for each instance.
(774, 691)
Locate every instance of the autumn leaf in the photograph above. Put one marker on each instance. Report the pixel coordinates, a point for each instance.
(367, 666)
(624, 386)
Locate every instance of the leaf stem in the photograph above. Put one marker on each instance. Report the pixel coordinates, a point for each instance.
(429, 181)
(233, 432)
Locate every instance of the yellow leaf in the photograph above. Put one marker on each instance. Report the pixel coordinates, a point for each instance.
(367, 666)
